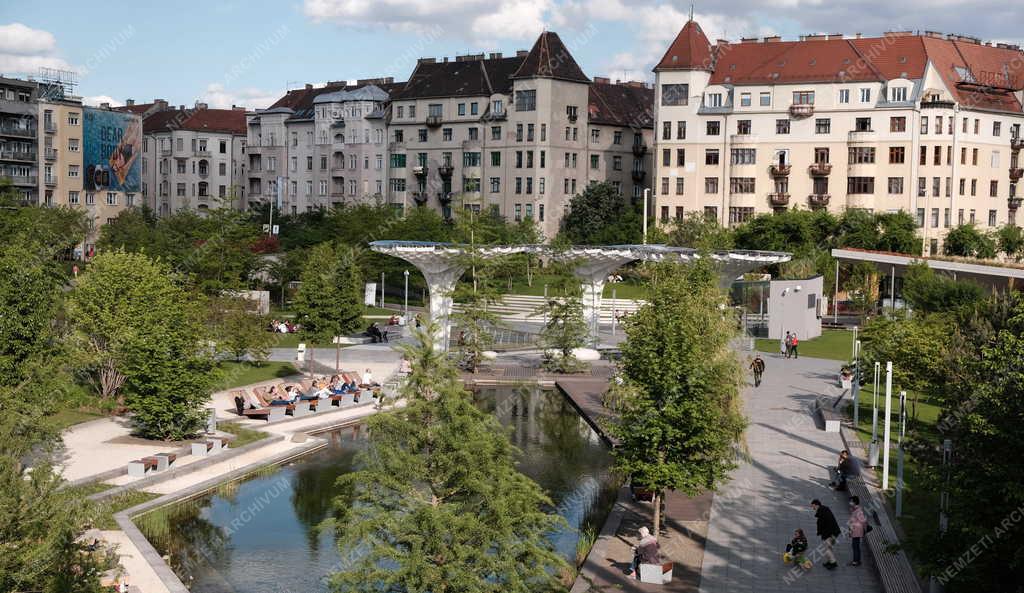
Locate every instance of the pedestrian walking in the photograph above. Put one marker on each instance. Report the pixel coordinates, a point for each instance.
(858, 525)
(828, 531)
(784, 346)
(758, 367)
(794, 343)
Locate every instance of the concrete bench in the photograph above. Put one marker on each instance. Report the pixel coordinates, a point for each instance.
(153, 463)
(659, 574)
(832, 417)
(894, 569)
(208, 447)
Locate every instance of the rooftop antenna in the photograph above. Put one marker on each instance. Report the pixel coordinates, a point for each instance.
(691, 11)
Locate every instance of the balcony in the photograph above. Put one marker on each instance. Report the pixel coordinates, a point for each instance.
(50, 153)
(820, 169)
(204, 174)
(9, 130)
(862, 136)
(470, 145)
(639, 176)
(201, 153)
(25, 179)
(50, 127)
(801, 110)
(445, 170)
(1016, 173)
(17, 155)
(639, 150)
(433, 121)
(444, 197)
(1014, 202)
(337, 193)
(778, 200)
(337, 170)
(1016, 144)
(419, 170)
(165, 152)
(818, 200)
(780, 170)
(396, 146)
(420, 197)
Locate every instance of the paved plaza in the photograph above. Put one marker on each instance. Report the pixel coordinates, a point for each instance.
(753, 517)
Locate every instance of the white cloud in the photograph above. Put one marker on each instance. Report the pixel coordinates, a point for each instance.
(96, 100)
(218, 97)
(23, 50)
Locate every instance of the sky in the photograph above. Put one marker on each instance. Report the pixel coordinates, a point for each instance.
(249, 52)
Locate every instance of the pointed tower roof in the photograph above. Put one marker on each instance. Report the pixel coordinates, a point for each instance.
(549, 58)
(691, 50)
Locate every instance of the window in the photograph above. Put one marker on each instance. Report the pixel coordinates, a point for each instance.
(474, 108)
(993, 189)
(782, 126)
(821, 156)
(617, 135)
(898, 93)
(995, 159)
(865, 95)
(471, 159)
(922, 187)
(73, 197)
(862, 154)
(741, 185)
(991, 218)
(497, 107)
(924, 155)
(529, 132)
(474, 134)
(924, 125)
(616, 163)
(938, 124)
(495, 132)
(740, 214)
(462, 109)
(960, 216)
(974, 187)
(822, 125)
(711, 156)
(397, 161)
(963, 186)
(997, 128)
(73, 171)
(595, 135)
(714, 128)
(897, 155)
(666, 130)
(844, 96)
(679, 186)
(401, 111)
(920, 218)
(862, 124)
(179, 190)
(675, 94)
(945, 217)
(519, 185)
(744, 99)
(935, 217)
(680, 130)
(446, 134)
(396, 183)
(526, 100)
(519, 132)
(743, 156)
(936, 186)
(421, 134)
(895, 185)
(714, 99)
(743, 127)
(860, 185)
(222, 168)
(594, 161)
(765, 100)
(972, 219)
(803, 97)
(680, 156)
(73, 145)
(435, 110)
(73, 119)
(90, 198)
(898, 124)
(974, 157)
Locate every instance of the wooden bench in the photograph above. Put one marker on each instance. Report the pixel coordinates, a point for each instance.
(208, 447)
(894, 569)
(832, 417)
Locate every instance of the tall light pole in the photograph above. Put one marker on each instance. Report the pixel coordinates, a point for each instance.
(406, 315)
(887, 426)
(647, 193)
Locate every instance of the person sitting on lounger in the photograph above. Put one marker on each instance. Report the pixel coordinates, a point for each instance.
(368, 379)
(254, 402)
(285, 398)
(322, 389)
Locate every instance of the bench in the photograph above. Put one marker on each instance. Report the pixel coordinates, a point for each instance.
(832, 417)
(656, 573)
(209, 447)
(894, 569)
(140, 467)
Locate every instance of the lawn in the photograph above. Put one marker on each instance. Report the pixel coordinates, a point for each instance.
(118, 503)
(835, 344)
(62, 419)
(236, 374)
(243, 435)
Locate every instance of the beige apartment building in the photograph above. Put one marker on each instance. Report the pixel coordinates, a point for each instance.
(925, 123)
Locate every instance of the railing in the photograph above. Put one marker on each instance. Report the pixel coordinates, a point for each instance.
(639, 150)
(201, 153)
(862, 136)
(18, 131)
(470, 144)
(801, 110)
(1016, 143)
(165, 152)
(1016, 173)
(639, 176)
(17, 155)
(419, 170)
(396, 146)
(22, 179)
(50, 153)
(780, 170)
(50, 127)
(819, 200)
(820, 169)
(204, 174)
(445, 170)
(433, 121)
(420, 197)
(444, 198)
(1013, 203)
(778, 199)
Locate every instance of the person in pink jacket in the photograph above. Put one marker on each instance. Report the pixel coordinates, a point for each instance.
(857, 524)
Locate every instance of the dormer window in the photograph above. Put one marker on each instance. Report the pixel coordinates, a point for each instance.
(898, 93)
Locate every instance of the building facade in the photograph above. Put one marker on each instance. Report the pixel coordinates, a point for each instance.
(19, 134)
(924, 123)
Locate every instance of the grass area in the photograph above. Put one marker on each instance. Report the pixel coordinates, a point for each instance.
(236, 374)
(116, 504)
(63, 419)
(91, 488)
(243, 435)
(834, 344)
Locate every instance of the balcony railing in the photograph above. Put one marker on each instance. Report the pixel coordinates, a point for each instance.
(1014, 202)
(396, 146)
(17, 155)
(419, 171)
(50, 153)
(445, 170)
(818, 200)
(779, 170)
(862, 136)
(204, 153)
(165, 152)
(1016, 173)
(470, 145)
(778, 199)
(801, 110)
(820, 169)
(1016, 143)
(23, 179)
(420, 197)
(433, 121)
(639, 176)
(204, 174)
(444, 197)
(50, 127)
(639, 149)
(8, 130)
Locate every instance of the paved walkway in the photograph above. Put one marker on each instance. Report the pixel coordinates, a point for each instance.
(753, 517)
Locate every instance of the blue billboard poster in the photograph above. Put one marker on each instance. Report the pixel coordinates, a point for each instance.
(111, 149)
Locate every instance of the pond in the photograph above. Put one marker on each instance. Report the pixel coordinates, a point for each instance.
(260, 534)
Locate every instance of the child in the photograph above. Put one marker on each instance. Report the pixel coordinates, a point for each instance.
(795, 550)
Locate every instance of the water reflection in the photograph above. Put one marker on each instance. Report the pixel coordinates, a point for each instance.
(260, 535)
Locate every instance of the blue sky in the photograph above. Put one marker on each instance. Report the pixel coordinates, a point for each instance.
(248, 52)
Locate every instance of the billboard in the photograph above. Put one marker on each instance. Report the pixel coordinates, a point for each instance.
(111, 149)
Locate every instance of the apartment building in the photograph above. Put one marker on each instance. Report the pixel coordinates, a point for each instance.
(925, 123)
(523, 133)
(325, 145)
(19, 133)
(192, 157)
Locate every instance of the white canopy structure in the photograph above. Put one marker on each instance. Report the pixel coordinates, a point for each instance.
(442, 264)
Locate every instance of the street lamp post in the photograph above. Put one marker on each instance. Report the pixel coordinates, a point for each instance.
(647, 193)
(406, 315)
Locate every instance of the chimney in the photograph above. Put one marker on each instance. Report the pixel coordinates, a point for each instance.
(201, 105)
(773, 39)
(309, 87)
(522, 53)
(602, 80)
(129, 102)
(160, 104)
(181, 108)
(426, 61)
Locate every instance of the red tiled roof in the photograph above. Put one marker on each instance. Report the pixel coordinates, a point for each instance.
(690, 50)
(549, 58)
(228, 121)
(994, 70)
(138, 108)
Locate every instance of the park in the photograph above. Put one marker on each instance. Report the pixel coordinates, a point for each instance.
(372, 400)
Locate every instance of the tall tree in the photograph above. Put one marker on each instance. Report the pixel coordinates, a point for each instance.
(30, 290)
(681, 419)
(1010, 239)
(600, 216)
(928, 292)
(141, 339)
(437, 504)
(476, 319)
(967, 240)
(698, 231)
(330, 299)
(239, 329)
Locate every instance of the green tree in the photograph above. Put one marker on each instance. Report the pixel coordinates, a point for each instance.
(882, 231)
(437, 504)
(133, 229)
(329, 301)
(141, 339)
(967, 240)
(30, 290)
(476, 319)
(565, 328)
(681, 419)
(928, 292)
(239, 329)
(600, 216)
(798, 231)
(862, 286)
(698, 231)
(1010, 239)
